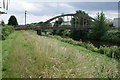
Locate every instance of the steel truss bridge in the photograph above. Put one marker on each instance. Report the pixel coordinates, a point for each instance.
(81, 22)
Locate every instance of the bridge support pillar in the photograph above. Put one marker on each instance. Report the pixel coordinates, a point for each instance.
(39, 32)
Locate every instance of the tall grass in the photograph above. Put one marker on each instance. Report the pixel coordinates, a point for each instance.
(112, 52)
(0, 59)
(33, 56)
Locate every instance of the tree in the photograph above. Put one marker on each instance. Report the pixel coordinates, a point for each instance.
(58, 22)
(100, 26)
(78, 21)
(12, 21)
(40, 22)
(81, 12)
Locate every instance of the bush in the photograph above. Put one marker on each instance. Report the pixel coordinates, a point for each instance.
(91, 47)
(112, 36)
(6, 30)
(113, 52)
(66, 33)
(78, 34)
(104, 50)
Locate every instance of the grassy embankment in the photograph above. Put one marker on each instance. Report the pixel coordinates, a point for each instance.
(0, 59)
(28, 55)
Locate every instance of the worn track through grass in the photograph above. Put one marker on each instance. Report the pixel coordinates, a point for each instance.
(37, 56)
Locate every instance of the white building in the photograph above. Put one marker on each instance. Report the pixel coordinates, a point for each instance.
(116, 22)
(66, 23)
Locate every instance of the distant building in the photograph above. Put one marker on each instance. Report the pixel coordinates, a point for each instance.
(116, 22)
(66, 23)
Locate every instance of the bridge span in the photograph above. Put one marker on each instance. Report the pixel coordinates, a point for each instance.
(63, 22)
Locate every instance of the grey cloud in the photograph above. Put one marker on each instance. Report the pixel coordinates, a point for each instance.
(96, 5)
(51, 9)
(57, 8)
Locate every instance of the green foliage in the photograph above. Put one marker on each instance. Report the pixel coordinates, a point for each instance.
(115, 52)
(112, 36)
(59, 32)
(66, 33)
(12, 21)
(100, 26)
(6, 31)
(78, 34)
(40, 23)
(34, 24)
(63, 33)
(91, 47)
(58, 22)
(104, 50)
(112, 52)
(76, 21)
(81, 12)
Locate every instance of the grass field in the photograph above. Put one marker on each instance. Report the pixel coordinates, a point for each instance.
(27, 55)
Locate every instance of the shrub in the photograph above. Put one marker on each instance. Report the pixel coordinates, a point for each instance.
(82, 44)
(105, 50)
(66, 33)
(91, 47)
(70, 41)
(6, 30)
(112, 36)
(113, 52)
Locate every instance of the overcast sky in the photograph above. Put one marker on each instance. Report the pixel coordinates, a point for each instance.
(42, 10)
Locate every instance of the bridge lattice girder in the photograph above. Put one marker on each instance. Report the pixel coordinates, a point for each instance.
(75, 15)
(43, 26)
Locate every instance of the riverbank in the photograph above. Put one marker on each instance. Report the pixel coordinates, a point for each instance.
(109, 39)
(112, 52)
(45, 57)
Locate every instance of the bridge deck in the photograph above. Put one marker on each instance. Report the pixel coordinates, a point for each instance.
(54, 28)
